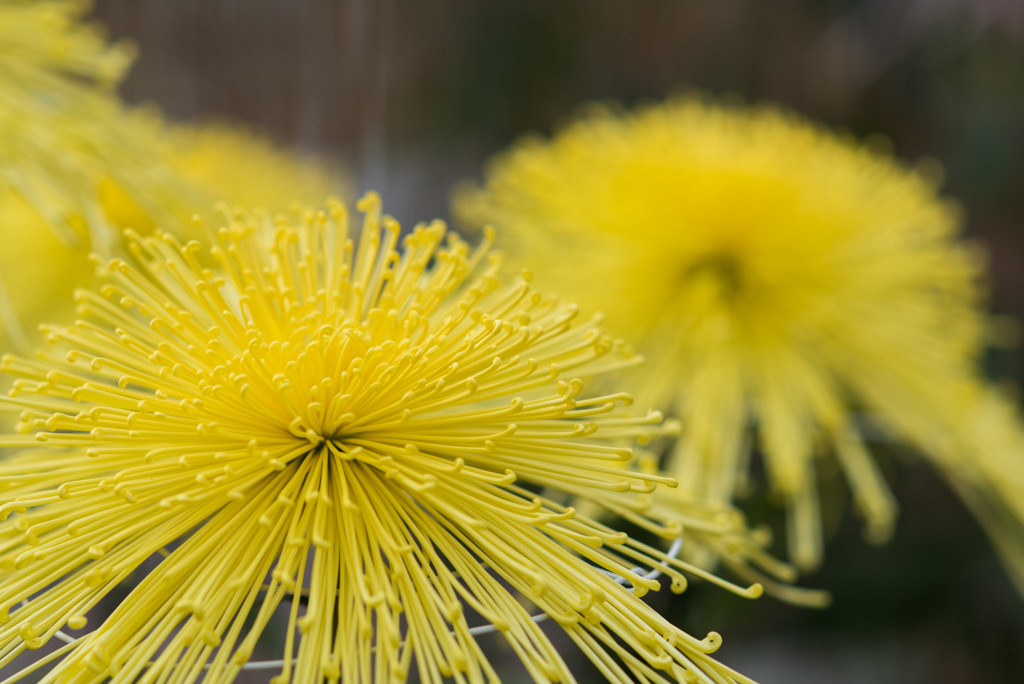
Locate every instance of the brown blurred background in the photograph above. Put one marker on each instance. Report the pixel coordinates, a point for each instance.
(415, 96)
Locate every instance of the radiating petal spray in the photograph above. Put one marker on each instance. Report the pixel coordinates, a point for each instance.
(352, 432)
(788, 285)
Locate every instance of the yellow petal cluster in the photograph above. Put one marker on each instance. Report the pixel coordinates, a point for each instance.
(789, 286)
(349, 432)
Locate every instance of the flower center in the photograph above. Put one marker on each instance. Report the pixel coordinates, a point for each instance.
(720, 269)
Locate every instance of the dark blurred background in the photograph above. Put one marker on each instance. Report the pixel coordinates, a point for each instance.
(415, 96)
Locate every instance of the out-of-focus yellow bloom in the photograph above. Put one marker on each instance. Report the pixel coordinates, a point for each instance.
(782, 280)
(63, 130)
(35, 268)
(227, 162)
(77, 164)
(295, 417)
(63, 133)
(214, 163)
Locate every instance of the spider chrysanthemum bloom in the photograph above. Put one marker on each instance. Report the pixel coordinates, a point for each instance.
(353, 427)
(775, 274)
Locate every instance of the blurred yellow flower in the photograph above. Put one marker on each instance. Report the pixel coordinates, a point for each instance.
(294, 417)
(63, 133)
(37, 272)
(63, 129)
(228, 162)
(783, 281)
(77, 164)
(216, 162)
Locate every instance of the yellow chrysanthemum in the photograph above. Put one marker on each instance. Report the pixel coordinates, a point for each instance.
(63, 133)
(77, 163)
(775, 275)
(38, 272)
(227, 162)
(63, 130)
(361, 428)
(218, 162)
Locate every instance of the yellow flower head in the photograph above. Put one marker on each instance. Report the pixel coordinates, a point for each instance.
(212, 163)
(775, 274)
(63, 130)
(351, 432)
(63, 134)
(76, 166)
(227, 162)
(38, 273)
